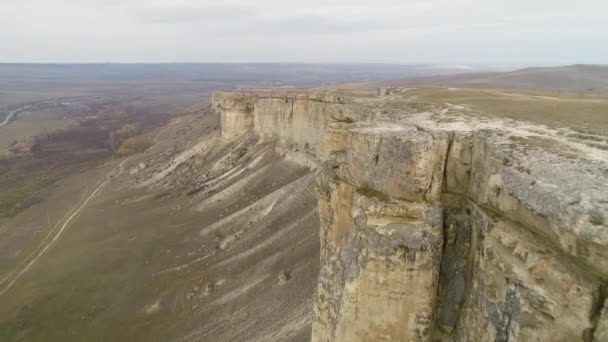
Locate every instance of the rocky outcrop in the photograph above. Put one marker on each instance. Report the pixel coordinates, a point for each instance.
(236, 113)
(435, 229)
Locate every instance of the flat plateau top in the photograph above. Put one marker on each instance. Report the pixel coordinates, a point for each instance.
(583, 111)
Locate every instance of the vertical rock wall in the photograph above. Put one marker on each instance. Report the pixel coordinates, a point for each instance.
(381, 234)
(434, 234)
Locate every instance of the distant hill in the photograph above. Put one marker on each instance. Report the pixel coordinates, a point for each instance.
(572, 77)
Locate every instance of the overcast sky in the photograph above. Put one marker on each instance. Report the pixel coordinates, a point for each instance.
(386, 31)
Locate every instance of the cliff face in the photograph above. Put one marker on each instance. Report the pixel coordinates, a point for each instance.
(435, 227)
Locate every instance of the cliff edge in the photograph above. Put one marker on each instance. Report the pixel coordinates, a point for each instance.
(439, 223)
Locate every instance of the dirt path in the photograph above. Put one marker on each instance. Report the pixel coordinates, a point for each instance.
(40, 251)
(155, 139)
(65, 225)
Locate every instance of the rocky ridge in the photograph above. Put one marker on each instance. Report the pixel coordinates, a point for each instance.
(441, 225)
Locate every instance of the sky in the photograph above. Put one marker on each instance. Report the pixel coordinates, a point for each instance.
(530, 32)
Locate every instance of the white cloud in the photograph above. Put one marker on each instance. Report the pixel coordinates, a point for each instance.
(406, 31)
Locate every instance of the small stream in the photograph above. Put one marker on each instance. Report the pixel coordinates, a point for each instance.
(10, 115)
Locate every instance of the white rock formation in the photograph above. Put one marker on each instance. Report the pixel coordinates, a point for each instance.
(441, 231)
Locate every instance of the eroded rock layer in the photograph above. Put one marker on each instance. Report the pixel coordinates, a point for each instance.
(433, 228)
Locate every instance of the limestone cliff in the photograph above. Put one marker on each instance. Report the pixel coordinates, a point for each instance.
(440, 226)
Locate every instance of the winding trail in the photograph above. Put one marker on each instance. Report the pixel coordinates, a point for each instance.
(155, 139)
(15, 275)
(65, 225)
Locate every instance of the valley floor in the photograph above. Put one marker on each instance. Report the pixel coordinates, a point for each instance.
(198, 239)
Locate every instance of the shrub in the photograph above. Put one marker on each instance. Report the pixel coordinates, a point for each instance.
(127, 147)
(128, 130)
(130, 146)
(23, 146)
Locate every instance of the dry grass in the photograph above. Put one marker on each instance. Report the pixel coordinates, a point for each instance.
(580, 111)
